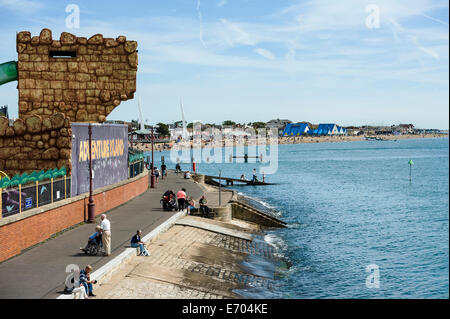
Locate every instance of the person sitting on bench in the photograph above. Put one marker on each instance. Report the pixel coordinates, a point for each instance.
(203, 208)
(85, 280)
(137, 242)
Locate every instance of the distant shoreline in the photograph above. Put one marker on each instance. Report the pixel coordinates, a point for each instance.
(158, 147)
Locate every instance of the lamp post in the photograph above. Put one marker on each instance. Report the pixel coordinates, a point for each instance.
(91, 205)
(152, 178)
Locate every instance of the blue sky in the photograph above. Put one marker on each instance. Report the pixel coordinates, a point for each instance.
(249, 60)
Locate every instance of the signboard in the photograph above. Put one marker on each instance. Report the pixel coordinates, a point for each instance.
(28, 202)
(109, 156)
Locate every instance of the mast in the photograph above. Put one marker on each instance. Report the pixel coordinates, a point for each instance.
(183, 120)
(141, 119)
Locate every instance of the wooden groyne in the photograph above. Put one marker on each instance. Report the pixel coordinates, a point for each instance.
(216, 180)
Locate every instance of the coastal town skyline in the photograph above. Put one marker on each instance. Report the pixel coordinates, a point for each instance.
(247, 61)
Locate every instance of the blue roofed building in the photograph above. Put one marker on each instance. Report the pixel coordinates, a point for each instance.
(342, 130)
(295, 129)
(328, 129)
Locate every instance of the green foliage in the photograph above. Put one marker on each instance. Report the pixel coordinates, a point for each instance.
(228, 123)
(257, 125)
(163, 129)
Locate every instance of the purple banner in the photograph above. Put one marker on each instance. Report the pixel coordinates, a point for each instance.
(109, 156)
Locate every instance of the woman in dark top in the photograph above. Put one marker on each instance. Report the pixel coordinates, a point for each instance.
(136, 242)
(203, 208)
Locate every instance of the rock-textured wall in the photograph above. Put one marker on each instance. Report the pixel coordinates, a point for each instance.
(86, 87)
(73, 79)
(35, 143)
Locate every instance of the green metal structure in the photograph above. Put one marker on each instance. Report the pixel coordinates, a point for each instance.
(8, 72)
(33, 177)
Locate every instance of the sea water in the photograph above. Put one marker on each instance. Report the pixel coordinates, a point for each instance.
(353, 214)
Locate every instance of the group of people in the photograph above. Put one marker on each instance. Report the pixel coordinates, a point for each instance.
(158, 173)
(102, 235)
(85, 289)
(254, 178)
(189, 203)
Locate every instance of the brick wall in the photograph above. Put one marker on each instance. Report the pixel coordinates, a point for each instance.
(39, 227)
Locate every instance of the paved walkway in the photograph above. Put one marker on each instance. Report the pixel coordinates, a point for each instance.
(197, 258)
(40, 271)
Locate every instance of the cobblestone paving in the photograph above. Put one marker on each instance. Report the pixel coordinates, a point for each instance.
(132, 288)
(169, 252)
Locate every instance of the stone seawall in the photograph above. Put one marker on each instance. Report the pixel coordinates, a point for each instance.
(73, 79)
(35, 143)
(83, 78)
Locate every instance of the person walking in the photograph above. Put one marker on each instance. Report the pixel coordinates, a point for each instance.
(181, 197)
(106, 234)
(163, 170)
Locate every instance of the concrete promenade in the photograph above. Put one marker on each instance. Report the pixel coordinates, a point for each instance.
(197, 258)
(40, 271)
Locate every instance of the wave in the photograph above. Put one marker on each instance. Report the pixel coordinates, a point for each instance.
(275, 241)
(261, 204)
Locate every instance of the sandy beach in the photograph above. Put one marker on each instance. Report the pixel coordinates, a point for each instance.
(159, 147)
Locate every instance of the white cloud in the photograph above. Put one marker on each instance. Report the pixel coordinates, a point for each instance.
(265, 53)
(221, 3)
(21, 6)
(236, 35)
(200, 18)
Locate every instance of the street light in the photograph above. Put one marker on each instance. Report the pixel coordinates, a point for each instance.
(152, 178)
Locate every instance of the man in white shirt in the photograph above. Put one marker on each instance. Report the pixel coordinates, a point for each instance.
(106, 234)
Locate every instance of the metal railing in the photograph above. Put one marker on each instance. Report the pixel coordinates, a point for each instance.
(135, 168)
(15, 200)
(37, 194)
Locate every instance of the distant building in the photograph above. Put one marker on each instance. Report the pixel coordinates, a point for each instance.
(295, 129)
(403, 128)
(342, 130)
(329, 129)
(142, 136)
(277, 123)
